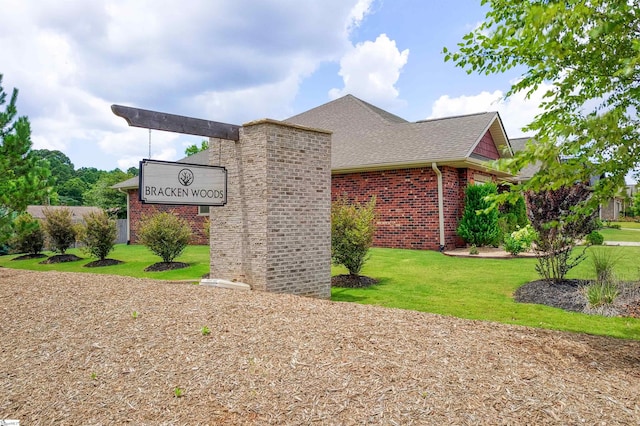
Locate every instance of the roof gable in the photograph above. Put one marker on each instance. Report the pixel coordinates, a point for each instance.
(367, 137)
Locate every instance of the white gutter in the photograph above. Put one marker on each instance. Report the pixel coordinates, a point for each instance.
(434, 166)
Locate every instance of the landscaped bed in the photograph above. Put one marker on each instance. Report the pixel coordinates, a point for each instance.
(100, 349)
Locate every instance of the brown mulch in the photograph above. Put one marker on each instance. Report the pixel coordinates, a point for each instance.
(166, 266)
(73, 353)
(352, 281)
(61, 258)
(103, 262)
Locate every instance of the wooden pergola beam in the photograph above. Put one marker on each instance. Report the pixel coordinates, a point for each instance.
(137, 117)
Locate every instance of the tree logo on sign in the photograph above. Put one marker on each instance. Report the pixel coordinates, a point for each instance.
(185, 176)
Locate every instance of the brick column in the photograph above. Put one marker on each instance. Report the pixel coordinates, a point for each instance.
(275, 231)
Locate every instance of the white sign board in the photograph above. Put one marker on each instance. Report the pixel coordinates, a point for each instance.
(164, 182)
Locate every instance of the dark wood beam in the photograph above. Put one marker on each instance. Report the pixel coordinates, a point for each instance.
(137, 117)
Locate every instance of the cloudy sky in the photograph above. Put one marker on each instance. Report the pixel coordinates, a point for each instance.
(231, 61)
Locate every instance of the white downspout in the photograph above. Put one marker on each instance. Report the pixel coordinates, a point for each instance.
(434, 166)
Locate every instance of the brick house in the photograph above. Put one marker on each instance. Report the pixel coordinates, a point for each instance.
(196, 216)
(406, 165)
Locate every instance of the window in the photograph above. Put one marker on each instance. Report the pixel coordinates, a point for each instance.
(203, 210)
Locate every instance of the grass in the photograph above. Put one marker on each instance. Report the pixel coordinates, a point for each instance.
(136, 258)
(428, 281)
(629, 225)
(611, 234)
(478, 288)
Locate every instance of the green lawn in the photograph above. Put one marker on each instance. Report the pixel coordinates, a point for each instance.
(611, 234)
(136, 258)
(630, 225)
(473, 288)
(477, 288)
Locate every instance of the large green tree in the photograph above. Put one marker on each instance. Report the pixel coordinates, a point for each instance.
(23, 178)
(588, 53)
(102, 195)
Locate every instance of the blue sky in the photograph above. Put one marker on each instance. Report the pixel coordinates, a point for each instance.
(232, 61)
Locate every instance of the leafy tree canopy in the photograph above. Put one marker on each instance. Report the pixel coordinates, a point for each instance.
(588, 51)
(194, 149)
(23, 178)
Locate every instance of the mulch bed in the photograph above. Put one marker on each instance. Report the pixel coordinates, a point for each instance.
(570, 296)
(352, 281)
(73, 353)
(166, 266)
(61, 258)
(104, 262)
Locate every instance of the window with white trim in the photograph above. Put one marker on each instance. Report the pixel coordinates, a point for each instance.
(203, 210)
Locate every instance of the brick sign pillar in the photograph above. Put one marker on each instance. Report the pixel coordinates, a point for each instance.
(274, 233)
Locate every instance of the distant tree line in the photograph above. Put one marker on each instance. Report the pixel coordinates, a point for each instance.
(86, 186)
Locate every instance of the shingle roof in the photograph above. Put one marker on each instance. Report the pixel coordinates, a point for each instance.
(77, 212)
(365, 136)
(200, 158)
(518, 144)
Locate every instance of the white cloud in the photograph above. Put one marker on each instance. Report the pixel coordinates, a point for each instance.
(370, 70)
(229, 60)
(516, 112)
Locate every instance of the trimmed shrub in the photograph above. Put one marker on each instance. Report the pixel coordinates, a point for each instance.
(595, 238)
(99, 234)
(352, 230)
(58, 224)
(479, 224)
(29, 236)
(165, 234)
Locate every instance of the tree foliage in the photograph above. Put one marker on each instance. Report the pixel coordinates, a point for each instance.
(352, 230)
(99, 234)
(165, 234)
(58, 224)
(29, 236)
(194, 149)
(588, 52)
(560, 225)
(479, 224)
(23, 179)
(102, 195)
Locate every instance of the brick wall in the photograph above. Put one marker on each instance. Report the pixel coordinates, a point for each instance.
(275, 231)
(137, 211)
(407, 204)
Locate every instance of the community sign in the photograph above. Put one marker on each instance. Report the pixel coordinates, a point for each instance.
(165, 182)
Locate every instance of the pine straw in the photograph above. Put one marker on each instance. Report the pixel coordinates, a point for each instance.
(72, 353)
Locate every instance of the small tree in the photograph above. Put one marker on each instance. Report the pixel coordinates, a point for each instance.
(99, 234)
(479, 224)
(58, 224)
(29, 236)
(165, 234)
(352, 230)
(560, 226)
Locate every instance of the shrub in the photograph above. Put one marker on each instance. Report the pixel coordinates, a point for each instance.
(479, 224)
(520, 240)
(595, 238)
(58, 224)
(99, 234)
(352, 230)
(559, 225)
(165, 234)
(29, 236)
